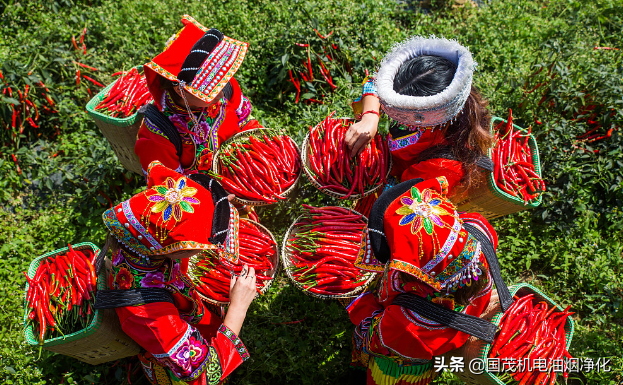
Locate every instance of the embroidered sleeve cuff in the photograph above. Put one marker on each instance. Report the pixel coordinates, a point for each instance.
(240, 348)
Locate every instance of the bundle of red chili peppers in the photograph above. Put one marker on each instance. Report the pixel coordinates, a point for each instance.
(513, 170)
(532, 331)
(334, 169)
(127, 95)
(324, 249)
(259, 167)
(61, 294)
(257, 250)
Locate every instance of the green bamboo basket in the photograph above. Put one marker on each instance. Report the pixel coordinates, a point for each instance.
(101, 341)
(488, 199)
(120, 133)
(476, 348)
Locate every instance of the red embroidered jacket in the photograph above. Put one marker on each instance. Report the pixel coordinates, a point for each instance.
(398, 333)
(229, 118)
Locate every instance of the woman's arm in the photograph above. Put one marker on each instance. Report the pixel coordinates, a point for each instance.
(241, 294)
(361, 133)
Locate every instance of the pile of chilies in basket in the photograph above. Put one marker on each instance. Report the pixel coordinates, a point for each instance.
(260, 167)
(514, 171)
(532, 331)
(61, 294)
(126, 96)
(334, 169)
(257, 250)
(324, 249)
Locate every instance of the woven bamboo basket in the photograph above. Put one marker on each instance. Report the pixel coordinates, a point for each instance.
(243, 135)
(476, 348)
(305, 149)
(488, 199)
(101, 341)
(120, 133)
(286, 259)
(192, 270)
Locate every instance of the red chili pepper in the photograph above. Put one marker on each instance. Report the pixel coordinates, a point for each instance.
(86, 66)
(84, 31)
(93, 81)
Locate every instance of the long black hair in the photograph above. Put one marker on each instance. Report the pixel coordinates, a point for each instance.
(424, 76)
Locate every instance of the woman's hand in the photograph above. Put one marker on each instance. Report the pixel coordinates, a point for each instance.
(361, 133)
(241, 293)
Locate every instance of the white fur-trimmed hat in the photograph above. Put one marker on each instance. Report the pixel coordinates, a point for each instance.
(425, 111)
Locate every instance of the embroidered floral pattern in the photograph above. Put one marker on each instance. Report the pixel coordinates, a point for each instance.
(173, 199)
(155, 279)
(124, 279)
(242, 350)
(190, 357)
(133, 272)
(421, 211)
(176, 277)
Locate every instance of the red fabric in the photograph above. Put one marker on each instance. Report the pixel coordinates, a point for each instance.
(452, 170)
(157, 327)
(435, 256)
(172, 58)
(406, 156)
(172, 211)
(421, 225)
(151, 146)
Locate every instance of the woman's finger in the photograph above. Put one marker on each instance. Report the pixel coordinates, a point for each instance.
(232, 282)
(360, 144)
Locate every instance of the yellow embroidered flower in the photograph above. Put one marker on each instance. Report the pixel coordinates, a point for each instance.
(173, 199)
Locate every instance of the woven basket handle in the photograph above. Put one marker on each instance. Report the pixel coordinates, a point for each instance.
(99, 260)
(506, 300)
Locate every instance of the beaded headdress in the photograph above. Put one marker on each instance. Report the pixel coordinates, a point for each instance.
(425, 111)
(415, 229)
(175, 213)
(201, 60)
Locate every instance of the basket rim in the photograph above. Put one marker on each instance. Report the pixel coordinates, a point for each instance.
(121, 122)
(194, 259)
(569, 324)
(535, 160)
(287, 262)
(97, 316)
(216, 168)
(305, 160)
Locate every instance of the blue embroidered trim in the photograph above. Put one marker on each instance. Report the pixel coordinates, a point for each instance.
(137, 224)
(405, 141)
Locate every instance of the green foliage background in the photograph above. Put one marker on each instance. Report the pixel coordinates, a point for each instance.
(571, 246)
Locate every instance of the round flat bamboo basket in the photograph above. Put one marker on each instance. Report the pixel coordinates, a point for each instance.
(243, 135)
(286, 259)
(192, 273)
(305, 149)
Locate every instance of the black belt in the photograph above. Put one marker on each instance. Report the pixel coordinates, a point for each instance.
(456, 320)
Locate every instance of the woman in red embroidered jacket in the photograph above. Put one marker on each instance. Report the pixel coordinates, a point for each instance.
(152, 232)
(193, 86)
(439, 123)
(416, 232)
